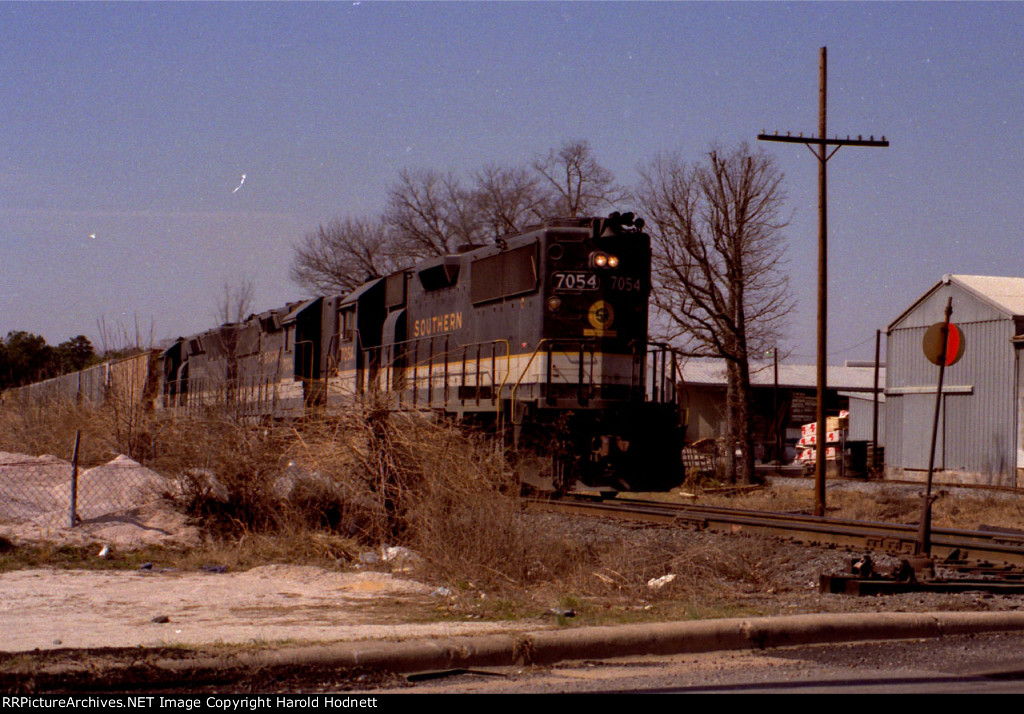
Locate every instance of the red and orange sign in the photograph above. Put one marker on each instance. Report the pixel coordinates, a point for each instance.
(932, 344)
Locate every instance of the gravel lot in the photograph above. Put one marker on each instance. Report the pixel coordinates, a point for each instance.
(51, 608)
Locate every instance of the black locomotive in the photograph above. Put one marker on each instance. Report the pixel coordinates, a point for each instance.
(542, 335)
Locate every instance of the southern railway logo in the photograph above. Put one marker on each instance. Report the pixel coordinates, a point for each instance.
(601, 316)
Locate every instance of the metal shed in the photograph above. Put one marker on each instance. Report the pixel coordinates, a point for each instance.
(979, 434)
(702, 394)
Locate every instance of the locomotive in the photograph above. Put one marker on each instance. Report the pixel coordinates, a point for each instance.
(541, 336)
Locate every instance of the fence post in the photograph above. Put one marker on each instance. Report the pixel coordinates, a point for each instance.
(73, 513)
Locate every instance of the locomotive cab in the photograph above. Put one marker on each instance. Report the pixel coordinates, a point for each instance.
(612, 428)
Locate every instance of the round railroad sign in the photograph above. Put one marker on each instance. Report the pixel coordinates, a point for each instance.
(955, 343)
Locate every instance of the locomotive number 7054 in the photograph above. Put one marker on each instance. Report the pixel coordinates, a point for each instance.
(578, 280)
(625, 283)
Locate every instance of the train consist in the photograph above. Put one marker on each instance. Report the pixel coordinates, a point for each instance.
(542, 335)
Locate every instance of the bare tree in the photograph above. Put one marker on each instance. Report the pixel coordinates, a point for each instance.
(718, 263)
(118, 340)
(431, 214)
(234, 306)
(575, 184)
(342, 255)
(506, 198)
(236, 302)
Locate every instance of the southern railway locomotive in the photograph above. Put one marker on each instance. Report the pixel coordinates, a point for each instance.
(541, 335)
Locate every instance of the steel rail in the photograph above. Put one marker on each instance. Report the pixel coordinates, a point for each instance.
(964, 546)
(837, 483)
(959, 535)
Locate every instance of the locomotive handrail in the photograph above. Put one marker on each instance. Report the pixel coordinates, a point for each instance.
(664, 349)
(515, 387)
(552, 341)
(504, 381)
(432, 358)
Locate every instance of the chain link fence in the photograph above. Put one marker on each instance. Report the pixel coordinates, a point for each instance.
(38, 490)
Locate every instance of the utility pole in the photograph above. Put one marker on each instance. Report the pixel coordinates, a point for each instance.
(775, 413)
(823, 155)
(874, 405)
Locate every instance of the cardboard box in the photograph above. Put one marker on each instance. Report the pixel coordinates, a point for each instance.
(837, 423)
(832, 437)
(810, 455)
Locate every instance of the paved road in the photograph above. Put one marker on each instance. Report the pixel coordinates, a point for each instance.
(970, 664)
(886, 652)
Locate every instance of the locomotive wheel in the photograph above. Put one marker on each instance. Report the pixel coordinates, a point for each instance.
(563, 475)
(560, 475)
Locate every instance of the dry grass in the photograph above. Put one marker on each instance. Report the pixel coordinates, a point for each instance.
(1004, 510)
(50, 429)
(329, 490)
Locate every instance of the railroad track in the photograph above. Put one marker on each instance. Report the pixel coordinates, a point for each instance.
(993, 548)
(838, 483)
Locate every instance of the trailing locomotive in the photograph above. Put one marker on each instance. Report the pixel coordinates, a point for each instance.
(542, 335)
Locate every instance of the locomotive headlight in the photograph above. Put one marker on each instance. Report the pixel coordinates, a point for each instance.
(554, 304)
(599, 259)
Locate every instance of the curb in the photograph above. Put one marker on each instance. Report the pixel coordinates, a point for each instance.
(548, 647)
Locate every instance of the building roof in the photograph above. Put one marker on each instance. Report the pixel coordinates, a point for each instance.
(1006, 294)
(711, 372)
(867, 397)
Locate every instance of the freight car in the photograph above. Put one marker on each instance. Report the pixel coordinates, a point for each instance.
(541, 335)
(129, 381)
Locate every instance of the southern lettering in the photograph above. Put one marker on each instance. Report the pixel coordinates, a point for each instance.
(438, 324)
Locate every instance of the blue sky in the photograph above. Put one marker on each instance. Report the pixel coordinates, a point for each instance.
(133, 122)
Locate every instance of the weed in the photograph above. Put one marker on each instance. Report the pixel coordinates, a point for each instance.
(324, 491)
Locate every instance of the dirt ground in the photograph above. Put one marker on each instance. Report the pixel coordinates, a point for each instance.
(51, 609)
(120, 509)
(153, 607)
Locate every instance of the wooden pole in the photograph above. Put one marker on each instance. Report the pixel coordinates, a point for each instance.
(821, 436)
(822, 142)
(924, 533)
(778, 420)
(874, 404)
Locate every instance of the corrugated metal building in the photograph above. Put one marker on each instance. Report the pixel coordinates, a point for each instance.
(979, 435)
(862, 415)
(703, 395)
